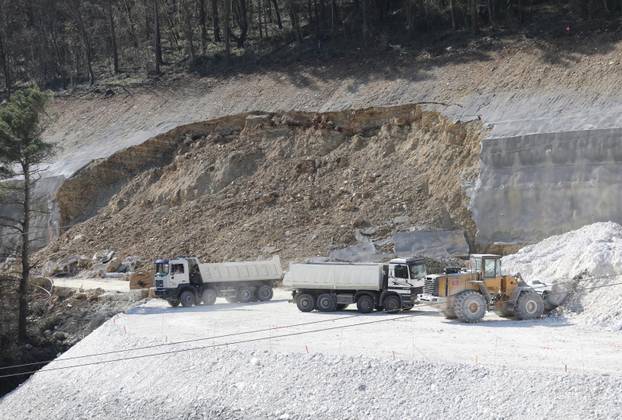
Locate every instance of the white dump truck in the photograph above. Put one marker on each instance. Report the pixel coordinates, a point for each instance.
(333, 286)
(184, 280)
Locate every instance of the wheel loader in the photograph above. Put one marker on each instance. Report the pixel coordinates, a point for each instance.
(467, 295)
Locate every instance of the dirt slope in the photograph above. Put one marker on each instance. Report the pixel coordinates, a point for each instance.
(297, 184)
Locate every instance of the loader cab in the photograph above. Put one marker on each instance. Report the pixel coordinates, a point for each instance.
(486, 265)
(407, 272)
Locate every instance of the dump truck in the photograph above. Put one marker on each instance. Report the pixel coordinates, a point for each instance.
(187, 281)
(467, 295)
(333, 286)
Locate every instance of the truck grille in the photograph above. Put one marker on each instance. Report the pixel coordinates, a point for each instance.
(159, 284)
(430, 286)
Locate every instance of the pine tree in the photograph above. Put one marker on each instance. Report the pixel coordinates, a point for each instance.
(22, 150)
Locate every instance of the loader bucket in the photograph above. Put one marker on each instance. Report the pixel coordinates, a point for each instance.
(555, 296)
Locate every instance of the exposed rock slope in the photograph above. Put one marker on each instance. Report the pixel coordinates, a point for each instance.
(294, 183)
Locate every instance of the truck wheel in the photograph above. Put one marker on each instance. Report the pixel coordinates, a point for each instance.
(392, 303)
(173, 303)
(341, 306)
(209, 296)
(264, 293)
(529, 306)
(326, 303)
(187, 298)
(245, 294)
(470, 306)
(365, 304)
(305, 302)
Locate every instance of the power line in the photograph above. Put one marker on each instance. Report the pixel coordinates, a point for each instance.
(99, 362)
(177, 342)
(437, 304)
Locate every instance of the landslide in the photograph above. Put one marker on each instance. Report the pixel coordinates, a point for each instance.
(294, 183)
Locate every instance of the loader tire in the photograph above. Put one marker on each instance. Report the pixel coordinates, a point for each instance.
(326, 303)
(392, 304)
(305, 302)
(209, 296)
(264, 293)
(365, 304)
(245, 294)
(187, 298)
(470, 306)
(529, 306)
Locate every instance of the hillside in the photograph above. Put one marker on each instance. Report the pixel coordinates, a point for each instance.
(297, 184)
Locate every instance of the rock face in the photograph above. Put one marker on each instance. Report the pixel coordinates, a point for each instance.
(536, 185)
(303, 183)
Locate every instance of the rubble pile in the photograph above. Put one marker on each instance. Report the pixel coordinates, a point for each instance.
(297, 184)
(585, 265)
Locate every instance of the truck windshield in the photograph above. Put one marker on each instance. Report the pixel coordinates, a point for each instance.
(417, 271)
(161, 268)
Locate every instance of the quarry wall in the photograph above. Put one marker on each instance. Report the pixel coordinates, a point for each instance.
(536, 185)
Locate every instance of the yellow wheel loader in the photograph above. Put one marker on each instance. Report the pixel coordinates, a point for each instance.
(467, 295)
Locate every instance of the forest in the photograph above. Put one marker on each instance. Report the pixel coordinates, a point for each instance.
(58, 44)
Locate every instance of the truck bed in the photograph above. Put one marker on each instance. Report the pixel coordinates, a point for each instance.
(242, 271)
(334, 276)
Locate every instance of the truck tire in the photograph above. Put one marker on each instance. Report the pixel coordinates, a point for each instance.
(245, 294)
(173, 302)
(448, 309)
(305, 302)
(326, 303)
(470, 306)
(392, 303)
(209, 296)
(264, 293)
(187, 298)
(529, 306)
(365, 304)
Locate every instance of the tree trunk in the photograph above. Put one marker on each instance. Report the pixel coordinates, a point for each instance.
(203, 24)
(215, 21)
(130, 22)
(227, 28)
(452, 14)
(4, 60)
(242, 20)
(86, 42)
(364, 12)
(157, 40)
(113, 39)
(474, 23)
(293, 17)
(23, 282)
(188, 33)
(279, 23)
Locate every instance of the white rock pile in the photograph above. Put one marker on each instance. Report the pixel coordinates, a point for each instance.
(588, 263)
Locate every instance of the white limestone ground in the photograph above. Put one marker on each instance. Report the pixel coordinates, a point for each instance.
(586, 261)
(413, 365)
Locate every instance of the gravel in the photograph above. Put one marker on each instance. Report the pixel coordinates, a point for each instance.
(235, 384)
(586, 262)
